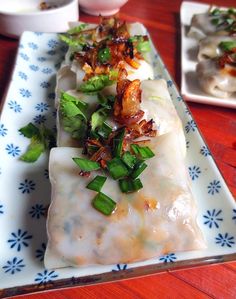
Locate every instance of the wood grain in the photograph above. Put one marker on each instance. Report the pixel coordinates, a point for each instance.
(218, 127)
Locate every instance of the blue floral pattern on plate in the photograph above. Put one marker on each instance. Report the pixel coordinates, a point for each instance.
(19, 239)
(45, 277)
(26, 187)
(168, 258)
(13, 266)
(213, 218)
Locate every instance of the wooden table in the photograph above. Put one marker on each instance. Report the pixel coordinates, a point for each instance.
(218, 126)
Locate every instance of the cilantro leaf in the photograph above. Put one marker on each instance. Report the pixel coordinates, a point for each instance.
(35, 149)
(98, 117)
(141, 44)
(96, 83)
(74, 116)
(74, 42)
(41, 139)
(29, 130)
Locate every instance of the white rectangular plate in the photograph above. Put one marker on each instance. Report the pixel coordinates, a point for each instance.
(189, 47)
(25, 188)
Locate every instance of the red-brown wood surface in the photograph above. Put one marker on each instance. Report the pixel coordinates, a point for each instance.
(218, 126)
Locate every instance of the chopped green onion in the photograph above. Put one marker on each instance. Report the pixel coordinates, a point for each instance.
(104, 204)
(77, 29)
(215, 21)
(142, 152)
(232, 10)
(94, 135)
(117, 168)
(72, 41)
(139, 168)
(104, 55)
(215, 12)
(229, 21)
(105, 130)
(227, 45)
(96, 83)
(127, 185)
(118, 143)
(92, 149)
(144, 46)
(86, 164)
(129, 159)
(30, 130)
(97, 183)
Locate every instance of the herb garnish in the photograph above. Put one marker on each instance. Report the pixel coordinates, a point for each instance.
(41, 139)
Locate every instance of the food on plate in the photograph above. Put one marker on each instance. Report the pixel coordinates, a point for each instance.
(94, 59)
(120, 189)
(155, 103)
(158, 219)
(215, 20)
(214, 45)
(215, 32)
(218, 76)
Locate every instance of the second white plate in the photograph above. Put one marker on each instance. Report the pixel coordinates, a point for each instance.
(189, 83)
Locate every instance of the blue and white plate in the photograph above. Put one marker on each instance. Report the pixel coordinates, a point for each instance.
(25, 188)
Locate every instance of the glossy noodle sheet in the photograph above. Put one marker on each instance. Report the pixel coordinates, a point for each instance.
(158, 219)
(153, 211)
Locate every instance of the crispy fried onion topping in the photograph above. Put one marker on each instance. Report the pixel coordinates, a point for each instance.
(112, 37)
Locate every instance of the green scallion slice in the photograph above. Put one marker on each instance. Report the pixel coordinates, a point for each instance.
(129, 159)
(117, 168)
(215, 12)
(105, 130)
(128, 186)
(142, 152)
(215, 21)
(117, 143)
(97, 183)
(104, 204)
(227, 45)
(139, 168)
(232, 10)
(104, 55)
(92, 149)
(86, 164)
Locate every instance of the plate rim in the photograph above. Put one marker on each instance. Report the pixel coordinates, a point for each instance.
(106, 277)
